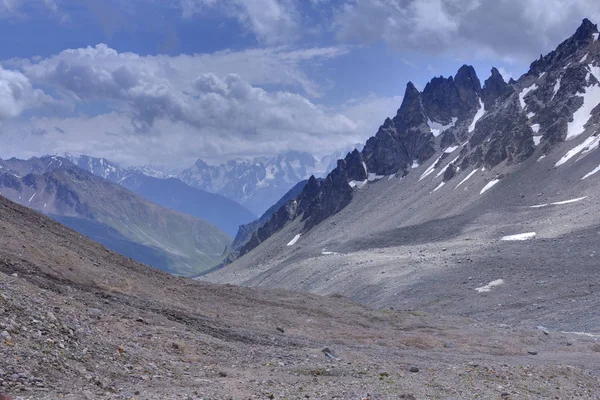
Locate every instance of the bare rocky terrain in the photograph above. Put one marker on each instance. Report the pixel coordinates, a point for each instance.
(81, 322)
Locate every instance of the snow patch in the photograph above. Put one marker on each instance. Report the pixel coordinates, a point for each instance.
(584, 58)
(466, 179)
(415, 164)
(446, 167)
(560, 203)
(595, 36)
(392, 176)
(489, 286)
(429, 170)
(591, 98)
(358, 184)
(586, 144)
(535, 128)
(595, 71)
(556, 87)
(374, 177)
(450, 149)
(537, 140)
(524, 93)
(478, 116)
(329, 253)
(542, 75)
(520, 236)
(437, 129)
(530, 115)
(294, 240)
(31, 198)
(592, 172)
(365, 168)
(439, 187)
(541, 158)
(489, 186)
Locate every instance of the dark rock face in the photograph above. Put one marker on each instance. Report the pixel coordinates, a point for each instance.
(495, 88)
(496, 124)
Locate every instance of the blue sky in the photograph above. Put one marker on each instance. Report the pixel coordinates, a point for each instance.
(164, 82)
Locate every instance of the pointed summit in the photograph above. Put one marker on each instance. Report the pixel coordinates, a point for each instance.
(494, 87)
(573, 46)
(467, 78)
(585, 30)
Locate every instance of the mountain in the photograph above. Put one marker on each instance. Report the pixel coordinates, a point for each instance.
(81, 322)
(468, 185)
(170, 192)
(112, 171)
(245, 231)
(106, 212)
(259, 183)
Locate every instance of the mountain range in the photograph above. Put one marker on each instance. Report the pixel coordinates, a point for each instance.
(261, 182)
(170, 192)
(472, 191)
(114, 216)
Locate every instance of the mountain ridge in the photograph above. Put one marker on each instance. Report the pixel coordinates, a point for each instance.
(170, 192)
(450, 117)
(178, 243)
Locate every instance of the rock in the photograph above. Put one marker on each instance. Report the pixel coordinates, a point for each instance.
(532, 352)
(414, 369)
(94, 312)
(543, 329)
(4, 397)
(329, 354)
(450, 345)
(6, 336)
(280, 329)
(408, 397)
(51, 316)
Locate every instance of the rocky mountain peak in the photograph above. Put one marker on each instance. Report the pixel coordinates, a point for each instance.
(494, 87)
(466, 78)
(568, 50)
(201, 164)
(498, 124)
(585, 30)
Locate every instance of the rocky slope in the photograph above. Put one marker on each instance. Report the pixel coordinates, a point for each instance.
(258, 183)
(170, 192)
(168, 240)
(494, 126)
(434, 237)
(79, 322)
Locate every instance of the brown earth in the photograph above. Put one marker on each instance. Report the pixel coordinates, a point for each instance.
(80, 322)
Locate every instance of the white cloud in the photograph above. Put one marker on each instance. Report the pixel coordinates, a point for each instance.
(510, 29)
(171, 110)
(17, 94)
(271, 21)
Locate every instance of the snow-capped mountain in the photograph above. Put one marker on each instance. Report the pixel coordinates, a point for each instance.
(261, 182)
(456, 151)
(163, 189)
(112, 171)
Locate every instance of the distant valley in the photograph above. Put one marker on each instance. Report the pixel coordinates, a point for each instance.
(169, 240)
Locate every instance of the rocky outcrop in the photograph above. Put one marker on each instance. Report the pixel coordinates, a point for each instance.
(495, 124)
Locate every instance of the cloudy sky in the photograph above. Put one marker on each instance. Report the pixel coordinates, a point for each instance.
(165, 82)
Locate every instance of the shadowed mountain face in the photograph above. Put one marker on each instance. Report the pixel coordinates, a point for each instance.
(456, 126)
(174, 242)
(170, 192)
